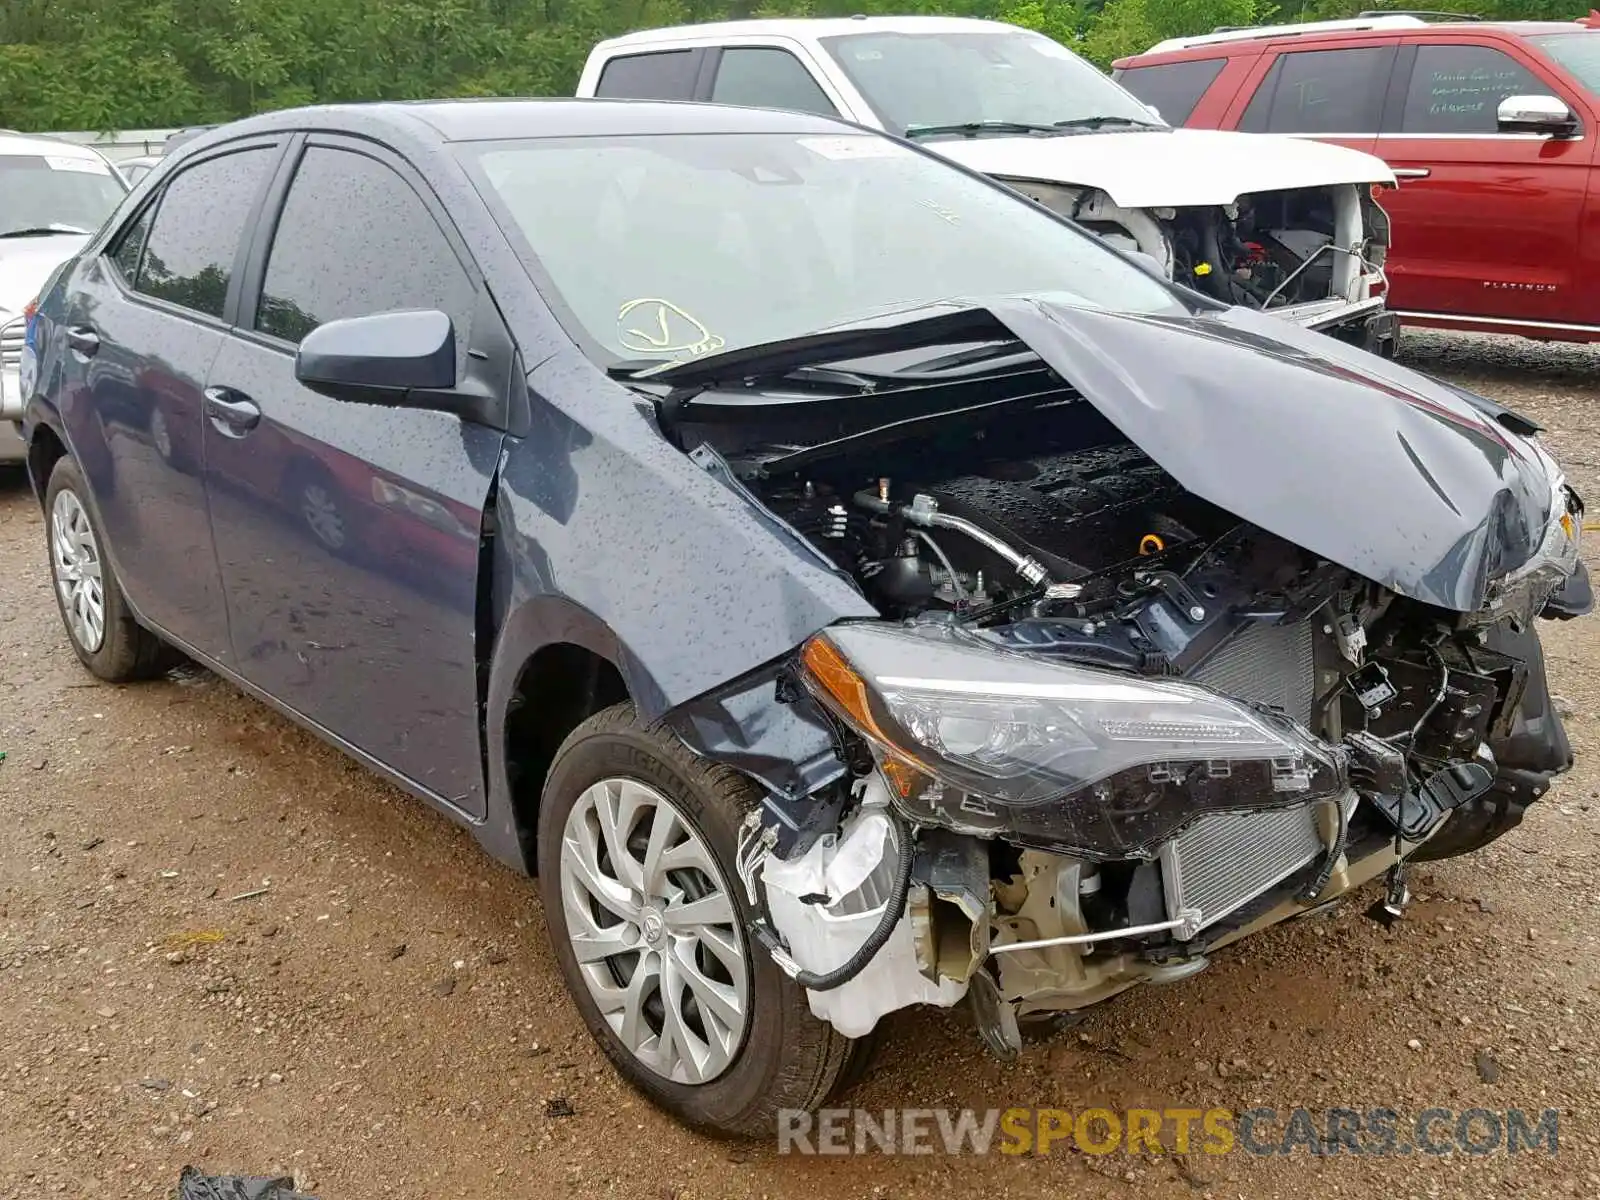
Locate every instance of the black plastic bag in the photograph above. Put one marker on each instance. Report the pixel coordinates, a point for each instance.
(192, 1185)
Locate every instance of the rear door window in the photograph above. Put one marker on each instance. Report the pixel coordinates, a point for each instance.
(1172, 89)
(130, 246)
(188, 256)
(1322, 92)
(767, 77)
(1458, 89)
(664, 75)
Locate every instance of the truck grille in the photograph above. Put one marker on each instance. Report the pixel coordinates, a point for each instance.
(1222, 862)
(11, 343)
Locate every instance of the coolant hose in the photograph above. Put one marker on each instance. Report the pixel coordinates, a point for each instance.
(895, 907)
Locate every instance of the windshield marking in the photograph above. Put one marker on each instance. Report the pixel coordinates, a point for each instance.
(642, 341)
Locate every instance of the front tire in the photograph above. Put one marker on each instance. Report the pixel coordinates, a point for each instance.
(649, 925)
(99, 624)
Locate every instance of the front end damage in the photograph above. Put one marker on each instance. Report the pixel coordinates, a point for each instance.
(1311, 255)
(1136, 692)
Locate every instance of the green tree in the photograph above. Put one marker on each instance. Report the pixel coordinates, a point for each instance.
(124, 64)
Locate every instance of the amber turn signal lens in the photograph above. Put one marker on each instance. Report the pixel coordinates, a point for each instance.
(846, 692)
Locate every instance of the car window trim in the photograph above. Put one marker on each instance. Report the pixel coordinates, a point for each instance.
(273, 143)
(266, 228)
(1529, 62)
(1266, 91)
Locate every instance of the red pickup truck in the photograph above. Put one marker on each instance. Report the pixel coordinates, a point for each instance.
(1490, 127)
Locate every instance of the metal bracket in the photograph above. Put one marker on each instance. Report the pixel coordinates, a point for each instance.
(1183, 928)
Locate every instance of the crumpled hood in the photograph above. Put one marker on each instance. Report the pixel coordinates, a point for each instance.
(1176, 168)
(25, 263)
(1360, 461)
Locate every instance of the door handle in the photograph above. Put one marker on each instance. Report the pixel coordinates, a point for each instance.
(231, 413)
(83, 340)
(1411, 172)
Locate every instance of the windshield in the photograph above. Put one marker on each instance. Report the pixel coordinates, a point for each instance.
(1578, 52)
(669, 247)
(1009, 77)
(45, 191)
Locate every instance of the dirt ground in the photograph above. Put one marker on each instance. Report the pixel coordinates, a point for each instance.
(384, 1017)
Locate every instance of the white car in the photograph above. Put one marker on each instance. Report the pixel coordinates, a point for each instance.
(1278, 223)
(53, 195)
(135, 169)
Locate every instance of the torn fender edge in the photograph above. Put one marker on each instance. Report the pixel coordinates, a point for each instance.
(770, 729)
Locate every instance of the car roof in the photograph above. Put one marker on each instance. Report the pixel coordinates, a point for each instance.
(804, 29)
(1311, 33)
(22, 143)
(496, 119)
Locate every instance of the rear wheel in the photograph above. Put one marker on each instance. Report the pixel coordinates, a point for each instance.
(648, 922)
(99, 624)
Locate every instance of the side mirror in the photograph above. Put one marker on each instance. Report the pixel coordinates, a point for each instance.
(387, 358)
(1156, 113)
(1536, 114)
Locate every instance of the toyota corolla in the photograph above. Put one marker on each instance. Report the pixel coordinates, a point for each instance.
(846, 584)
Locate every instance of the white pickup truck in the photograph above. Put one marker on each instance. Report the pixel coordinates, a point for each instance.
(1277, 223)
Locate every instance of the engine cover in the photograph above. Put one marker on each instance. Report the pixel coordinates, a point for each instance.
(1080, 511)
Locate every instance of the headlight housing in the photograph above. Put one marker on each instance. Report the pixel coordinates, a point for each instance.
(1521, 594)
(1101, 764)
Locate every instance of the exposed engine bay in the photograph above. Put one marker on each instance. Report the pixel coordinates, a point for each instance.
(1266, 250)
(1183, 728)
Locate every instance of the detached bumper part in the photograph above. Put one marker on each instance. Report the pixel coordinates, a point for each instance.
(1335, 313)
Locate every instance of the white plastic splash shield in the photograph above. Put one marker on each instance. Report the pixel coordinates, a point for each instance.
(854, 872)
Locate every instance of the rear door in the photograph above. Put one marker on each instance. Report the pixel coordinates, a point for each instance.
(1486, 224)
(349, 534)
(1334, 94)
(146, 320)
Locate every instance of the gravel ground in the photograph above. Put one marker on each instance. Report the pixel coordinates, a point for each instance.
(385, 1018)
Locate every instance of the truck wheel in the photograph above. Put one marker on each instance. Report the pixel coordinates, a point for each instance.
(103, 632)
(650, 925)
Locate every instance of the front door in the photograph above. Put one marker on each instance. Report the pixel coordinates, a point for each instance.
(1486, 224)
(349, 534)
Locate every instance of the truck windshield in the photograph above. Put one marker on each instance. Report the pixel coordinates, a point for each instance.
(671, 246)
(1578, 52)
(68, 194)
(1016, 78)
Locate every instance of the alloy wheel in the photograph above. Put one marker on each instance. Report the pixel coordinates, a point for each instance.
(654, 930)
(75, 559)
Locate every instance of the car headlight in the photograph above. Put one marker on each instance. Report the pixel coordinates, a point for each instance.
(978, 738)
(1521, 594)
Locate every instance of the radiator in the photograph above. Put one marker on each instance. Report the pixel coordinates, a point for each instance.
(1270, 665)
(1222, 862)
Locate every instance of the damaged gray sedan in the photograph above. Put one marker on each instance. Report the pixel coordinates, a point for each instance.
(846, 584)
